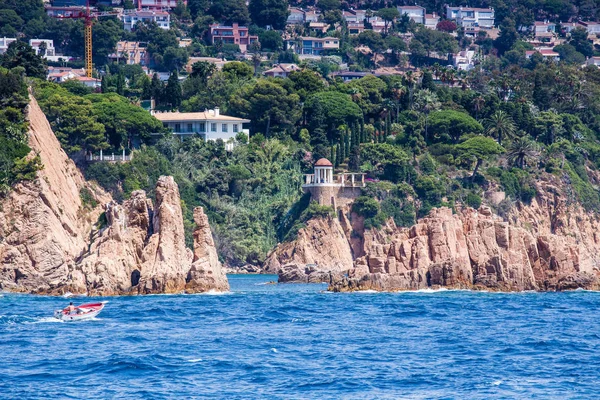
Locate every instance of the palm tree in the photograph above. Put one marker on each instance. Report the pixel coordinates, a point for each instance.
(499, 125)
(521, 150)
(411, 81)
(478, 103)
(426, 101)
(256, 60)
(397, 92)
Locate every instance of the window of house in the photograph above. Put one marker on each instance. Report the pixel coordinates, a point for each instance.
(213, 127)
(190, 127)
(202, 126)
(224, 128)
(235, 128)
(177, 127)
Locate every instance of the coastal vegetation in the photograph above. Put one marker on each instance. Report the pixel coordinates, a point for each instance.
(429, 137)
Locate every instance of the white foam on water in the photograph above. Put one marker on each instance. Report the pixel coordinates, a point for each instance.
(273, 350)
(194, 360)
(46, 320)
(67, 295)
(213, 292)
(367, 291)
(496, 383)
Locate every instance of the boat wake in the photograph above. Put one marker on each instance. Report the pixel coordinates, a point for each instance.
(46, 320)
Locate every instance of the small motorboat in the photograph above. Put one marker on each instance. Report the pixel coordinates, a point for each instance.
(84, 311)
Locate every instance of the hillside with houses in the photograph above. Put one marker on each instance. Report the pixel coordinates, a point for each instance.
(431, 105)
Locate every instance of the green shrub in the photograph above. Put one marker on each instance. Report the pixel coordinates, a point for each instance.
(314, 210)
(473, 200)
(376, 221)
(26, 169)
(87, 198)
(585, 192)
(403, 212)
(365, 207)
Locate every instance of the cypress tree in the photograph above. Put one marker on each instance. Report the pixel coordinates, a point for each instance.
(121, 84)
(173, 92)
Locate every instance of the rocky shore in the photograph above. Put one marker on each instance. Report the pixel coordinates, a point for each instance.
(548, 245)
(52, 241)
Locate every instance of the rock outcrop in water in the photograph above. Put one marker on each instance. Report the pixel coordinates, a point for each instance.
(166, 260)
(206, 272)
(546, 245)
(52, 243)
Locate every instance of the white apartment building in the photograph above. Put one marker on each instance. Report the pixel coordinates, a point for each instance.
(162, 19)
(415, 13)
(4, 43)
(48, 52)
(471, 17)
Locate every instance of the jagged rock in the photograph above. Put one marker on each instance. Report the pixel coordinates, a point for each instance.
(296, 273)
(44, 224)
(49, 243)
(165, 259)
(114, 262)
(244, 269)
(206, 272)
(546, 245)
(322, 243)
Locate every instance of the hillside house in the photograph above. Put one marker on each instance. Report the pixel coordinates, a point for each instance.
(471, 17)
(234, 34)
(4, 43)
(161, 18)
(281, 70)
(415, 13)
(312, 45)
(209, 124)
(157, 5)
(131, 53)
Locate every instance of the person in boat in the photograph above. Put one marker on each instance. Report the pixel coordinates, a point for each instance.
(71, 308)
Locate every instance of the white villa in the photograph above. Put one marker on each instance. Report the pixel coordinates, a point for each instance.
(471, 17)
(209, 124)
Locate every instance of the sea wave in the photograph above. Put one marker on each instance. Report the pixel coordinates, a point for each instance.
(291, 341)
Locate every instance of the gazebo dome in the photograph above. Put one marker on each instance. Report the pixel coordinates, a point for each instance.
(323, 162)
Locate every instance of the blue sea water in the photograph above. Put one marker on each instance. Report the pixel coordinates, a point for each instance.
(300, 342)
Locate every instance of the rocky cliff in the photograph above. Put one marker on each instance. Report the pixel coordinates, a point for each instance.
(321, 248)
(51, 242)
(547, 245)
(44, 224)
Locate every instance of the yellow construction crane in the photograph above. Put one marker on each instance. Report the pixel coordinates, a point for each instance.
(88, 17)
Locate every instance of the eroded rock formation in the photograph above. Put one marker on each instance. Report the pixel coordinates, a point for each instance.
(206, 272)
(321, 246)
(546, 245)
(51, 242)
(44, 224)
